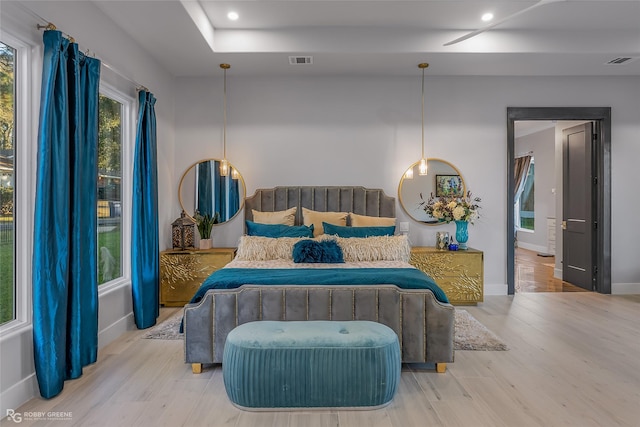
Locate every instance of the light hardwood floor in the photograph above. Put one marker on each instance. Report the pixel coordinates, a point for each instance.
(574, 360)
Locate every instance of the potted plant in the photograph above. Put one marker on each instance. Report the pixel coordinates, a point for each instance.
(205, 224)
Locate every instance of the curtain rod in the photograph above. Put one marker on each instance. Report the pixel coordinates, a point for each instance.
(528, 153)
(51, 26)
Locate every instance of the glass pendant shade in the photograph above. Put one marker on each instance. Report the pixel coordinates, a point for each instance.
(423, 169)
(224, 167)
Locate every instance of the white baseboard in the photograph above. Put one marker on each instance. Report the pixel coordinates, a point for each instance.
(495, 289)
(557, 273)
(19, 393)
(625, 288)
(117, 328)
(532, 247)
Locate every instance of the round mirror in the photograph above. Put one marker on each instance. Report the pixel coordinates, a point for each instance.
(443, 179)
(202, 189)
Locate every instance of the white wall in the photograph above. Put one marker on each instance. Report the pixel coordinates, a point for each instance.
(542, 147)
(94, 31)
(346, 130)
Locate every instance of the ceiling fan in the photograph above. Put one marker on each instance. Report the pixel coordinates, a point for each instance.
(496, 23)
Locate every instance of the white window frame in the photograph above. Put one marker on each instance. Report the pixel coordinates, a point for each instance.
(128, 133)
(28, 63)
(516, 208)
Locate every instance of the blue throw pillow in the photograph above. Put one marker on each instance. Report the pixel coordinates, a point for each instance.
(326, 251)
(278, 230)
(342, 231)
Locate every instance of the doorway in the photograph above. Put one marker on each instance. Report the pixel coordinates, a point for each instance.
(600, 168)
(538, 206)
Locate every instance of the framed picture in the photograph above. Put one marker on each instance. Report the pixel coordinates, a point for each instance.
(448, 186)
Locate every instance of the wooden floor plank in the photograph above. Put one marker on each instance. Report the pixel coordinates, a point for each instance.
(410, 407)
(465, 412)
(374, 418)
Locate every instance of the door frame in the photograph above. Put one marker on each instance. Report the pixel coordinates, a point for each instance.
(602, 161)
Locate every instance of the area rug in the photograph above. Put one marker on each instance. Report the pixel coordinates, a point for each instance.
(469, 333)
(472, 335)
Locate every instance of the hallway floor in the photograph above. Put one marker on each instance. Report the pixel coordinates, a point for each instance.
(535, 274)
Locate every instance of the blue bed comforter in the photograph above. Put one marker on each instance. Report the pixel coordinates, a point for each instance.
(406, 278)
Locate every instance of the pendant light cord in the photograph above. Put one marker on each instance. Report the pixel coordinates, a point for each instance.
(423, 112)
(224, 120)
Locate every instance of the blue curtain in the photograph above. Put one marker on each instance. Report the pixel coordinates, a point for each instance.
(65, 273)
(145, 253)
(205, 192)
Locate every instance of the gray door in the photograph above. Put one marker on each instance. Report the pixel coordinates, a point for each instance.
(577, 206)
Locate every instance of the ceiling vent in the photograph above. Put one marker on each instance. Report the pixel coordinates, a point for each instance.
(622, 60)
(300, 60)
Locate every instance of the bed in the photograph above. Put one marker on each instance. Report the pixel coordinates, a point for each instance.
(418, 313)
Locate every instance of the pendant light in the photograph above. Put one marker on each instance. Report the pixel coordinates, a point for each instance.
(224, 164)
(422, 168)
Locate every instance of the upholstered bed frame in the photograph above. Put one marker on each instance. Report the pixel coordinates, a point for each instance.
(425, 326)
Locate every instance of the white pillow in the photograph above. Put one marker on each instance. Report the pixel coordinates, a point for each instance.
(258, 248)
(378, 248)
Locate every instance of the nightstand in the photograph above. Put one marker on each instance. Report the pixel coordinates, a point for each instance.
(182, 272)
(460, 274)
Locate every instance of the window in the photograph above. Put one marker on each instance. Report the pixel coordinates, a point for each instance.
(7, 182)
(526, 210)
(110, 115)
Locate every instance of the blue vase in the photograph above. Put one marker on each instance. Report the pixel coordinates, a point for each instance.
(462, 234)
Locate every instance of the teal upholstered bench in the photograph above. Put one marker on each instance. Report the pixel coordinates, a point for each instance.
(311, 364)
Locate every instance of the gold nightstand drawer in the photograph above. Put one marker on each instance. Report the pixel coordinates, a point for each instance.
(460, 274)
(182, 272)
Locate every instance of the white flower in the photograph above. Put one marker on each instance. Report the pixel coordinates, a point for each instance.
(458, 213)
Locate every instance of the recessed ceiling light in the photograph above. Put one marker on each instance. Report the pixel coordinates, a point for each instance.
(487, 17)
(233, 16)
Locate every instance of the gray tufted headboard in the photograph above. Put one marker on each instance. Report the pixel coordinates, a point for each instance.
(359, 200)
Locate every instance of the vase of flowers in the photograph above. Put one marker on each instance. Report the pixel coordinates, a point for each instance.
(459, 209)
(205, 225)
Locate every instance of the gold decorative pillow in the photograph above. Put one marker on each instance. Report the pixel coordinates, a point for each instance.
(258, 248)
(317, 218)
(378, 248)
(287, 217)
(370, 221)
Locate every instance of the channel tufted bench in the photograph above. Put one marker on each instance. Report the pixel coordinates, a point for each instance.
(311, 364)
